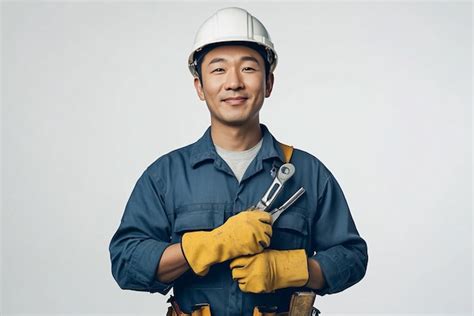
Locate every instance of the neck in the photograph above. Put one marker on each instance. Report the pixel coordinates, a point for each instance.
(236, 138)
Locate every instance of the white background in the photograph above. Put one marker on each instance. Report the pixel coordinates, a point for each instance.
(92, 93)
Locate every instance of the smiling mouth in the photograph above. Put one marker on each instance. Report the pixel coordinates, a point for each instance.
(235, 101)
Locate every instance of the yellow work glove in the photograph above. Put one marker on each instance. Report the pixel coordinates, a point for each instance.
(271, 270)
(246, 233)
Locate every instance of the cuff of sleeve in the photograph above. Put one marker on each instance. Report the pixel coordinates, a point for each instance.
(330, 272)
(144, 264)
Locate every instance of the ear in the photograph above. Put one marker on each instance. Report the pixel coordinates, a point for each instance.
(269, 85)
(199, 90)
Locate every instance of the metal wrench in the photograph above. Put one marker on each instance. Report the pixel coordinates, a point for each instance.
(285, 172)
(277, 211)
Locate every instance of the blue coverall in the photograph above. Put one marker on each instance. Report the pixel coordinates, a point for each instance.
(192, 188)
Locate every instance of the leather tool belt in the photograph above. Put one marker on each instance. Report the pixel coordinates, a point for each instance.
(301, 304)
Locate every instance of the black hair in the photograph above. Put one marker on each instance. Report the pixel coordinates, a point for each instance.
(199, 56)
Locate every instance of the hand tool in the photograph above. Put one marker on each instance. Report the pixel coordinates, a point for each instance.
(277, 211)
(301, 303)
(285, 172)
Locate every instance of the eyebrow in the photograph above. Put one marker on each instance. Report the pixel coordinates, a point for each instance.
(243, 58)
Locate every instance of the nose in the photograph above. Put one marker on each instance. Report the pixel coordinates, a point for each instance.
(234, 80)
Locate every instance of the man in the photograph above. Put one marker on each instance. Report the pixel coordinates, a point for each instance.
(190, 223)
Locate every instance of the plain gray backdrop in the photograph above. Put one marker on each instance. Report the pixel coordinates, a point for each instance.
(94, 92)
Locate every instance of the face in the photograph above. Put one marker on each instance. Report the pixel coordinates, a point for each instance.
(233, 85)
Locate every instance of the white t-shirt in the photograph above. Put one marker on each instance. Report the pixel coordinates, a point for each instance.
(239, 161)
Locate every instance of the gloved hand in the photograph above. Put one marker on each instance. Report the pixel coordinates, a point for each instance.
(271, 270)
(246, 233)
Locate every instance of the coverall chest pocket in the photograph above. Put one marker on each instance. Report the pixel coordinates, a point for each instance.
(290, 231)
(195, 218)
(199, 217)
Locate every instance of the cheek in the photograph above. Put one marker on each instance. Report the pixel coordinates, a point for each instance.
(211, 88)
(258, 84)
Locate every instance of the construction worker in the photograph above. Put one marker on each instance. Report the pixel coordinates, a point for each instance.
(191, 222)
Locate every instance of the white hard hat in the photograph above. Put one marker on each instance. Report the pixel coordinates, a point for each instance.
(232, 25)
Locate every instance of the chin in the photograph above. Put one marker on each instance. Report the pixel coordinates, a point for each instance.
(236, 122)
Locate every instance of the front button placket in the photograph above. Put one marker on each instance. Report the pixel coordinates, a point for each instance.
(235, 295)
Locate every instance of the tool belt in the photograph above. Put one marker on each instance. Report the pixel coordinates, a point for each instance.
(199, 310)
(301, 304)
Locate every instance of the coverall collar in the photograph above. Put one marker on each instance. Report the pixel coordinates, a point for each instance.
(204, 149)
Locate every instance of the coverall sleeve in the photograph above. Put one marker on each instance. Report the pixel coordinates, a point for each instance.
(143, 235)
(340, 251)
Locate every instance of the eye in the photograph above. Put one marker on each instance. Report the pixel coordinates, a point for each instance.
(248, 69)
(218, 70)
